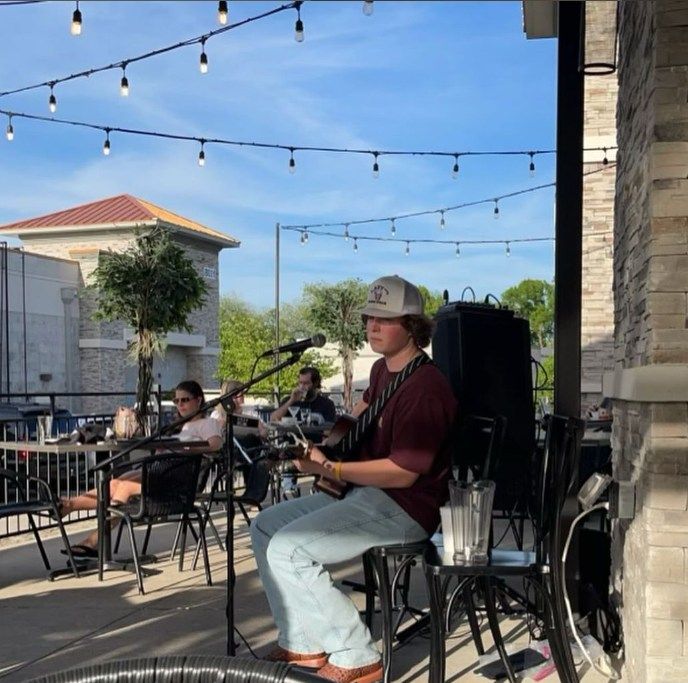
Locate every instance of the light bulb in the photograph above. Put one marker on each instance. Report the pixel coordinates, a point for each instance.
(292, 163)
(355, 245)
(298, 30)
(203, 65)
(367, 7)
(408, 249)
(458, 250)
(305, 236)
(346, 232)
(52, 102)
(605, 161)
(10, 131)
(222, 12)
(508, 249)
(442, 221)
(455, 167)
(201, 156)
(496, 210)
(376, 167)
(393, 228)
(302, 238)
(124, 84)
(106, 144)
(75, 28)
(531, 167)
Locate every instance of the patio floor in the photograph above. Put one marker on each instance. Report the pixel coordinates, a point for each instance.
(47, 627)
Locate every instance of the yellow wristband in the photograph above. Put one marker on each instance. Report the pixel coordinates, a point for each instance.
(337, 469)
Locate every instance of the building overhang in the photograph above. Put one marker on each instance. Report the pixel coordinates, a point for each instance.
(540, 18)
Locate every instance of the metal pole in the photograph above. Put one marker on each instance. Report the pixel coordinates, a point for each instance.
(569, 213)
(276, 383)
(26, 371)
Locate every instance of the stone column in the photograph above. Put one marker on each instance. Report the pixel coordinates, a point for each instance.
(650, 381)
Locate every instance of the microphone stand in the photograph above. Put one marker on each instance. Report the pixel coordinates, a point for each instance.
(227, 401)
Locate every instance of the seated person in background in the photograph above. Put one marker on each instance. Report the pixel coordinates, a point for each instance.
(307, 395)
(188, 397)
(220, 414)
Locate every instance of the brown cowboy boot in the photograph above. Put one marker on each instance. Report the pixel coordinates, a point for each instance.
(314, 660)
(371, 673)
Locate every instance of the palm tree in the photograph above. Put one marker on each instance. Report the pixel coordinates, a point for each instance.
(152, 286)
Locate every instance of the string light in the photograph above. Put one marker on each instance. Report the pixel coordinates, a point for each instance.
(346, 232)
(367, 7)
(605, 161)
(455, 167)
(458, 250)
(201, 154)
(408, 249)
(507, 248)
(302, 239)
(298, 26)
(393, 227)
(10, 130)
(531, 167)
(355, 244)
(222, 12)
(52, 100)
(305, 236)
(495, 213)
(203, 64)
(75, 28)
(443, 223)
(124, 83)
(376, 166)
(428, 212)
(106, 144)
(292, 163)
(153, 53)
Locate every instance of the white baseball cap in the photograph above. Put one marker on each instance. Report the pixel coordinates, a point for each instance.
(391, 297)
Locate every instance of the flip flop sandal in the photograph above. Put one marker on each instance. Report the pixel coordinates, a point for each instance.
(82, 552)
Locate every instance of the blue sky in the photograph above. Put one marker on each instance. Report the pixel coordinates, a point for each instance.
(449, 76)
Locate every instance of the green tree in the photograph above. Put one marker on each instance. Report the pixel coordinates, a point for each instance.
(533, 300)
(334, 309)
(245, 332)
(152, 286)
(431, 300)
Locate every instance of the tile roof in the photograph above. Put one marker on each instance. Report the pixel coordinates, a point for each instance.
(114, 210)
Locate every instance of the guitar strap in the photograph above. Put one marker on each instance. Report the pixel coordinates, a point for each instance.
(355, 435)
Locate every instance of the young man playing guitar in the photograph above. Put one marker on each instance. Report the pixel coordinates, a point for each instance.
(399, 480)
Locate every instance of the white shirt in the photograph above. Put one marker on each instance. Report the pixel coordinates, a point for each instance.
(200, 430)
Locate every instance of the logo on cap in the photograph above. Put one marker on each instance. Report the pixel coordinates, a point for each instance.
(377, 292)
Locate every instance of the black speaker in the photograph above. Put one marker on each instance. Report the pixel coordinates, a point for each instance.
(485, 353)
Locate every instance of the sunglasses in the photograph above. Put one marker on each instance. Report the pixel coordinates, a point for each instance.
(182, 400)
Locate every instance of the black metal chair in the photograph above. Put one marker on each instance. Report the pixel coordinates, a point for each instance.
(541, 568)
(43, 505)
(168, 488)
(184, 669)
(477, 440)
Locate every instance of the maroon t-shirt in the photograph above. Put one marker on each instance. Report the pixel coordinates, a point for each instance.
(413, 431)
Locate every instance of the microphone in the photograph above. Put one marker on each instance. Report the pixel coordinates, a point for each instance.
(297, 346)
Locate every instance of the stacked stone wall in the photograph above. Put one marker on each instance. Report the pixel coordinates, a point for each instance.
(650, 439)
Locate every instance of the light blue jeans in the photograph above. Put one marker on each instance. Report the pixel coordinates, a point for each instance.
(294, 541)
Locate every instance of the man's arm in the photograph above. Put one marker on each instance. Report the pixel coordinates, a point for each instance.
(382, 473)
(277, 414)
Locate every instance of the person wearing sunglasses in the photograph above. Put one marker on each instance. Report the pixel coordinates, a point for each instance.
(188, 397)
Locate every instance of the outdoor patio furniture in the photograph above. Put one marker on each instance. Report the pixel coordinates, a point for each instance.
(43, 504)
(185, 668)
(477, 443)
(168, 488)
(541, 568)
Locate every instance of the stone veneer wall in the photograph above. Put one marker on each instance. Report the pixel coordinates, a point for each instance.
(650, 439)
(597, 314)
